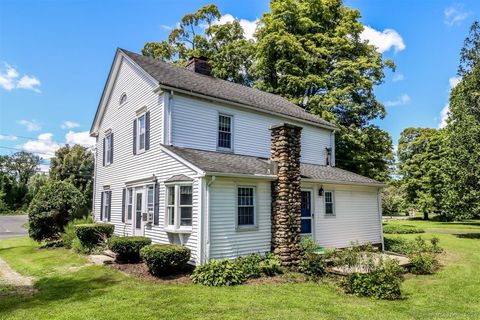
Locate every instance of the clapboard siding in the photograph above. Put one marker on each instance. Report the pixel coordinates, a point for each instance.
(129, 167)
(195, 122)
(356, 216)
(225, 240)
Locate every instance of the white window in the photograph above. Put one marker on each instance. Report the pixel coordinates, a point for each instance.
(150, 199)
(329, 203)
(224, 141)
(179, 205)
(141, 134)
(106, 204)
(129, 204)
(123, 99)
(246, 207)
(108, 149)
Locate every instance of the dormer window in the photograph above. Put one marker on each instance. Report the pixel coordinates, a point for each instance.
(224, 141)
(123, 99)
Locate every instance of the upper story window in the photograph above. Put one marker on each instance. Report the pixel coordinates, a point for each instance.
(123, 99)
(141, 133)
(224, 141)
(108, 149)
(246, 207)
(179, 205)
(329, 203)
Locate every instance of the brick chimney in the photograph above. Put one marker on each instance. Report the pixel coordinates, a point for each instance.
(286, 193)
(199, 65)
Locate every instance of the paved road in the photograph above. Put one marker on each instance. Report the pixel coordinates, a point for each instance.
(11, 226)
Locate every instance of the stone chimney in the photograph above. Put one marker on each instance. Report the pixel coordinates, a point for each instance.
(199, 65)
(286, 193)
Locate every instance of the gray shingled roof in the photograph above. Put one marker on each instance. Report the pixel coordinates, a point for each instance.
(218, 162)
(178, 177)
(181, 78)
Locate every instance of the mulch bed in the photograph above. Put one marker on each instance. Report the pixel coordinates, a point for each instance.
(140, 270)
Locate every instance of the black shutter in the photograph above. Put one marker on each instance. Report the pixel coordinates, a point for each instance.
(101, 206)
(147, 130)
(104, 152)
(123, 204)
(156, 205)
(109, 205)
(135, 136)
(111, 148)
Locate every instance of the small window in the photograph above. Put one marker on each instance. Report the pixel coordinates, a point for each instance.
(123, 98)
(224, 132)
(141, 133)
(245, 206)
(106, 204)
(108, 149)
(150, 199)
(329, 203)
(129, 204)
(179, 205)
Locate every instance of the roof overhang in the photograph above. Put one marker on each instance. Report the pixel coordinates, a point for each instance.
(378, 185)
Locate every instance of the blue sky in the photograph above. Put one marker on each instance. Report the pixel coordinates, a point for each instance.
(55, 57)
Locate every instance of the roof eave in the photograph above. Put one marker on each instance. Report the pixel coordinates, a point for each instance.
(369, 184)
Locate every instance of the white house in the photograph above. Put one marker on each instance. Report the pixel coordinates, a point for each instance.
(183, 157)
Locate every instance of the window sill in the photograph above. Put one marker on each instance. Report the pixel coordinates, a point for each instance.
(246, 228)
(171, 229)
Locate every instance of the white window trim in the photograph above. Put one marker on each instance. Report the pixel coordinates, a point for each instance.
(177, 220)
(325, 203)
(139, 115)
(254, 226)
(108, 149)
(231, 131)
(127, 203)
(106, 204)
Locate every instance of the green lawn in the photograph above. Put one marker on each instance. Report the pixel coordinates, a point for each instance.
(66, 292)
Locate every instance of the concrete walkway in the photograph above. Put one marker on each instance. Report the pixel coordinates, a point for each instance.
(12, 226)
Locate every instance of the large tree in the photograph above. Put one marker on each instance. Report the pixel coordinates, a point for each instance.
(74, 165)
(22, 165)
(463, 132)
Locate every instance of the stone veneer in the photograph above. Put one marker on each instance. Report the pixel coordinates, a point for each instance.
(286, 193)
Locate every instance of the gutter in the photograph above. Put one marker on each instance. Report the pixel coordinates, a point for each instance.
(162, 87)
(378, 185)
(241, 175)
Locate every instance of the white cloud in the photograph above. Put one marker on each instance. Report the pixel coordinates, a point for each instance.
(455, 15)
(83, 138)
(9, 80)
(453, 81)
(444, 116)
(401, 100)
(398, 77)
(30, 125)
(166, 27)
(69, 125)
(8, 138)
(249, 27)
(383, 40)
(44, 146)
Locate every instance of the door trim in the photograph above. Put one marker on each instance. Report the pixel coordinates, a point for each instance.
(312, 212)
(141, 231)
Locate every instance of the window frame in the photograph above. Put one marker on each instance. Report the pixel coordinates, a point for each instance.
(107, 194)
(129, 205)
(332, 202)
(120, 102)
(176, 206)
(108, 148)
(246, 227)
(219, 148)
(139, 116)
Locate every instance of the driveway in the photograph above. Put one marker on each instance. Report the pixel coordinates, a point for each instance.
(11, 226)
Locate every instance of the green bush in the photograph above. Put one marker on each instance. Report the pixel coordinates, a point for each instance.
(382, 283)
(92, 234)
(54, 205)
(401, 229)
(127, 249)
(250, 265)
(218, 273)
(312, 265)
(68, 234)
(424, 263)
(163, 259)
(271, 265)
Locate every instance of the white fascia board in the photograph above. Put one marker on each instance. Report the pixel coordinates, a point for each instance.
(378, 185)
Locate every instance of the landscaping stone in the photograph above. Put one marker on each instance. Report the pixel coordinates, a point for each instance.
(100, 259)
(344, 270)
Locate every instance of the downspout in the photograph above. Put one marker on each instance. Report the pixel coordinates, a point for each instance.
(206, 221)
(379, 202)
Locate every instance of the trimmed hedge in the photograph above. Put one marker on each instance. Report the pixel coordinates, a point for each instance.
(128, 248)
(401, 229)
(92, 234)
(163, 259)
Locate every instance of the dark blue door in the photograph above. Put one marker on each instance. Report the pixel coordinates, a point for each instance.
(306, 216)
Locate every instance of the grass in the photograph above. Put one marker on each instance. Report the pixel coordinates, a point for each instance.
(102, 293)
(13, 213)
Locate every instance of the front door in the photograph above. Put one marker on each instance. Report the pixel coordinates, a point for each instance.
(138, 225)
(306, 216)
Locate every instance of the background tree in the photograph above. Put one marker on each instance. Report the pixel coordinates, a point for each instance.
(35, 183)
(22, 166)
(463, 134)
(393, 199)
(74, 165)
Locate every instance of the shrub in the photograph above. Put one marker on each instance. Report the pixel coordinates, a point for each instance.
(128, 249)
(383, 282)
(271, 265)
(218, 273)
(53, 244)
(68, 234)
(163, 259)
(92, 234)
(424, 263)
(54, 205)
(401, 229)
(312, 265)
(250, 265)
